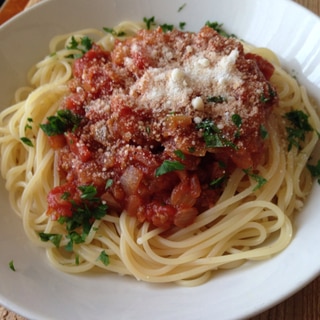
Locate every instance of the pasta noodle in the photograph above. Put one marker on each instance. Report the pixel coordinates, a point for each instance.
(245, 224)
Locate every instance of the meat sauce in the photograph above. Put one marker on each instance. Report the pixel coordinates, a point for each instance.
(195, 100)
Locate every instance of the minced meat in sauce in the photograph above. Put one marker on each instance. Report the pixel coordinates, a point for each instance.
(192, 101)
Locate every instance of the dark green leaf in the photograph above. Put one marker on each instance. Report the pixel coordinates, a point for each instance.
(271, 94)
(315, 170)
(263, 132)
(27, 141)
(299, 126)
(114, 33)
(259, 179)
(60, 123)
(168, 166)
(216, 99)
(88, 192)
(219, 28)
(166, 27)
(213, 136)
(182, 7)
(237, 120)
(52, 237)
(83, 45)
(149, 22)
(11, 266)
(182, 25)
(180, 154)
(216, 183)
(104, 258)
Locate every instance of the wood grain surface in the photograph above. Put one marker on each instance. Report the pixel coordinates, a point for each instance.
(304, 305)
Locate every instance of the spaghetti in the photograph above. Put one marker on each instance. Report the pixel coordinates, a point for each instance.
(248, 216)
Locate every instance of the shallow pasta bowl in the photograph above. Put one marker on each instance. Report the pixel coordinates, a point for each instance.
(38, 291)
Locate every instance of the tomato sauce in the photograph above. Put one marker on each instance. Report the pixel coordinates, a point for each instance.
(193, 101)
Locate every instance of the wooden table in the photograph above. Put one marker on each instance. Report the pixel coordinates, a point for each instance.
(304, 305)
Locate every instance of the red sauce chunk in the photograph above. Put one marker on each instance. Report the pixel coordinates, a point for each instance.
(166, 117)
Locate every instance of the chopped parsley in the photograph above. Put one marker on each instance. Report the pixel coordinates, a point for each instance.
(114, 32)
(216, 99)
(237, 120)
(74, 238)
(271, 94)
(60, 123)
(27, 141)
(28, 125)
(167, 27)
(315, 170)
(55, 238)
(109, 183)
(168, 166)
(84, 213)
(150, 22)
(182, 7)
(11, 266)
(182, 25)
(263, 132)
(180, 154)
(259, 179)
(213, 136)
(192, 149)
(216, 183)
(104, 258)
(299, 125)
(83, 45)
(219, 28)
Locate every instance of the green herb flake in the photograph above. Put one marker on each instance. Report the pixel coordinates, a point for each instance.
(52, 237)
(263, 132)
(315, 170)
(28, 125)
(216, 183)
(104, 258)
(27, 141)
(192, 149)
(259, 179)
(84, 213)
(149, 22)
(11, 265)
(114, 33)
(182, 7)
(63, 121)
(65, 196)
(182, 25)
(168, 166)
(88, 192)
(237, 120)
(109, 183)
(271, 95)
(216, 99)
(213, 136)
(74, 238)
(299, 126)
(219, 28)
(166, 27)
(180, 154)
(83, 45)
